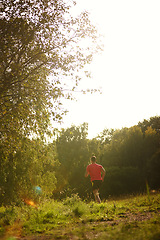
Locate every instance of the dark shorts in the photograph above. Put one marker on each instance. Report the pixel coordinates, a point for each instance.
(96, 184)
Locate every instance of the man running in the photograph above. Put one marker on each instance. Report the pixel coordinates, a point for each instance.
(97, 173)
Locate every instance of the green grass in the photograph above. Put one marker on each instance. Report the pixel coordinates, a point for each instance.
(128, 218)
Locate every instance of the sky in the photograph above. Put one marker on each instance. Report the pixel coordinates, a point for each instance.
(127, 71)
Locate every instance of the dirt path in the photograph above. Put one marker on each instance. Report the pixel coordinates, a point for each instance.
(86, 227)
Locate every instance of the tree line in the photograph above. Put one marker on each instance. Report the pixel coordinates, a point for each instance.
(131, 157)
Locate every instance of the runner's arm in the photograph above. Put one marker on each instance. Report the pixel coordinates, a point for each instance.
(86, 173)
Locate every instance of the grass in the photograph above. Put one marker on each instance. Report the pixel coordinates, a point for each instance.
(128, 218)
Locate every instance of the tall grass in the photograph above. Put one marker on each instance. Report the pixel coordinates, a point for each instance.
(148, 191)
(55, 217)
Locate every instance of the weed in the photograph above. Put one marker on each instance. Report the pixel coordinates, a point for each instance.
(148, 191)
(133, 218)
(78, 211)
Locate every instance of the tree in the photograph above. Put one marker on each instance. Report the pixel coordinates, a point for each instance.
(153, 170)
(42, 52)
(106, 136)
(121, 180)
(131, 158)
(113, 147)
(72, 147)
(153, 122)
(33, 164)
(73, 154)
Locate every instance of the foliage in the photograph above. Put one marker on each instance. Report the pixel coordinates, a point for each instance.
(42, 52)
(33, 164)
(124, 149)
(106, 136)
(130, 157)
(73, 153)
(43, 49)
(153, 122)
(154, 170)
(122, 180)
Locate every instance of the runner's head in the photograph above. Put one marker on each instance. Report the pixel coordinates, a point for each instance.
(93, 159)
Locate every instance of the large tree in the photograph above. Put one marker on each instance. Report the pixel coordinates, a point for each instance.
(42, 53)
(43, 49)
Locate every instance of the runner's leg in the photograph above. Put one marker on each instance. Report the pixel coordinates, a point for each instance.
(96, 195)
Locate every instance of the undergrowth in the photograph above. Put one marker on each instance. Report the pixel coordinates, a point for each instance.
(126, 217)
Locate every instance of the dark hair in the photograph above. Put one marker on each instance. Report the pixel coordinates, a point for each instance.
(93, 158)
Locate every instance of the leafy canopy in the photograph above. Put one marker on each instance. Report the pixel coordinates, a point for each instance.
(42, 53)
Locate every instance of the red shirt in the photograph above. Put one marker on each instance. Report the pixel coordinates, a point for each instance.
(94, 171)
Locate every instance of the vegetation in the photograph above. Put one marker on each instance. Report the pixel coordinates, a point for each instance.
(43, 49)
(42, 53)
(134, 217)
(130, 156)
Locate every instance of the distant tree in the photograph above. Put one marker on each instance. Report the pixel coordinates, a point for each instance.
(106, 136)
(132, 148)
(113, 148)
(121, 180)
(153, 122)
(94, 147)
(151, 141)
(72, 147)
(151, 154)
(73, 154)
(132, 154)
(154, 170)
(126, 148)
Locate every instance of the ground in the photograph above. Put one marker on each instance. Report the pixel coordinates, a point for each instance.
(93, 230)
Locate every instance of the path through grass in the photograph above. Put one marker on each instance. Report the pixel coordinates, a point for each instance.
(129, 218)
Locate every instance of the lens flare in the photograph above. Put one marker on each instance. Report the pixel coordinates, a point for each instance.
(30, 202)
(38, 190)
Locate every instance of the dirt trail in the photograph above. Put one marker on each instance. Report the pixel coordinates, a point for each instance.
(14, 232)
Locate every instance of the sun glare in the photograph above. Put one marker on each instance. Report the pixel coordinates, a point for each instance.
(128, 69)
(30, 202)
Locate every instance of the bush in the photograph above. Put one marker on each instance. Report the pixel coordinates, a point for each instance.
(121, 181)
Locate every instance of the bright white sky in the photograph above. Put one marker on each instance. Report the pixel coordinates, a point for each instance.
(128, 71)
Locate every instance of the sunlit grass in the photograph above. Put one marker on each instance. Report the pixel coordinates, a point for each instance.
(128, 217)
